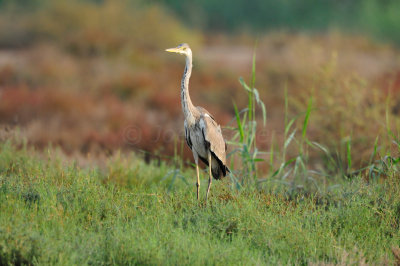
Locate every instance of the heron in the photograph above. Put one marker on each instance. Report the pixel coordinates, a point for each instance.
(202, 133)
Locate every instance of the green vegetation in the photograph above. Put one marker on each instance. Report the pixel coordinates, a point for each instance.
(59, 213)
(87, 28)
(376, 17)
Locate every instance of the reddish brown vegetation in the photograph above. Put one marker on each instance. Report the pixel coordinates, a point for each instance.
(130, 100)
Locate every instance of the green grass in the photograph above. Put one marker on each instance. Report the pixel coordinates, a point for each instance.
(57, 213)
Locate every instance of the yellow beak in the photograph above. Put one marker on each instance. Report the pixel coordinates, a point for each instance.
(173, 50)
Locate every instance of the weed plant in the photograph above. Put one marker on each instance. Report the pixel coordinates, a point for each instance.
(297, 175)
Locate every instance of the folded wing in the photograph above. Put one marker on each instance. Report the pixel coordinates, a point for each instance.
(213, 138)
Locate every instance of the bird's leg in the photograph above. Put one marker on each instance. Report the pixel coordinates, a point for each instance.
(196, 160)
(198, 180)
(210, 175)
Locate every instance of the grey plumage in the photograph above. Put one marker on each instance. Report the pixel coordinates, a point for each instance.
(205, 135)
(202, 133)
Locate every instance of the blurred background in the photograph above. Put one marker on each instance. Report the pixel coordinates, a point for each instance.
(92, 77)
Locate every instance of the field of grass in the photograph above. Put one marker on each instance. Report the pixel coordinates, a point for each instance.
(129, 212)
(312, 133)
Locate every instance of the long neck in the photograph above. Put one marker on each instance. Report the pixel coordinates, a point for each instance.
(187, 106)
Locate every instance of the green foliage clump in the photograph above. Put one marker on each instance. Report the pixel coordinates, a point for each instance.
(375, 17)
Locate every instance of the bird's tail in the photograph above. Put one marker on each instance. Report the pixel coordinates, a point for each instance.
(220, 171)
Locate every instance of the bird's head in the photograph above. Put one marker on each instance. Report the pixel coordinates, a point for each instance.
(181, 49)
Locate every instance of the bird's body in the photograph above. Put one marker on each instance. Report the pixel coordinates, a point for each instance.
(198, 138)
(202, 133)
